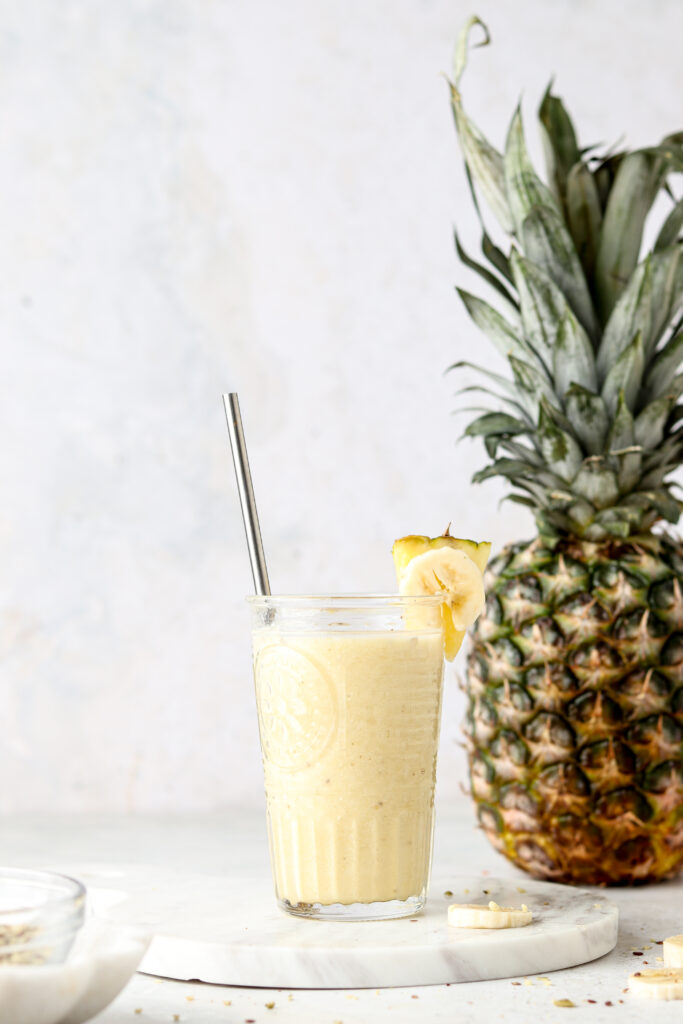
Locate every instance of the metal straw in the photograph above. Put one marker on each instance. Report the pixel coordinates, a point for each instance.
(246, 493)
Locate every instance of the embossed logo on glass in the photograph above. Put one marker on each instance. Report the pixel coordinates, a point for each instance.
(296, 706)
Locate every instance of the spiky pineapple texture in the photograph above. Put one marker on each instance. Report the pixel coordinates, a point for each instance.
(575, 709)
(575, 678)
(586, 428)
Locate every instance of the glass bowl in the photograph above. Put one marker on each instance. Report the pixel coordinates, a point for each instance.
(40, 915)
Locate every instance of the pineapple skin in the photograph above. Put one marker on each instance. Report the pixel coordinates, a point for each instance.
(575, 709)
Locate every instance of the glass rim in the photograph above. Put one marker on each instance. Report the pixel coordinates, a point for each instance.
(345, 600)
(70, 890)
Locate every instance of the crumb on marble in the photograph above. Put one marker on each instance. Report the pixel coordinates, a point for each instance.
(227, 1002)
(269, 1006)
(448, 892)
(563, 1002)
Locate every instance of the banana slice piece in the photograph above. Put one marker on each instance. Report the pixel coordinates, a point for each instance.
(673, 951)
(452, 574)
(476, 915)
(407, 550)
(663, 983)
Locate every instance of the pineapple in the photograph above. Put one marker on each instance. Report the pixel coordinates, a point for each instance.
(575, 675)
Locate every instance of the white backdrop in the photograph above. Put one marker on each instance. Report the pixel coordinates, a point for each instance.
(206, 195)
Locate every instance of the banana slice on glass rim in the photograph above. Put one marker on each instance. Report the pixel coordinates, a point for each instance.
(453, 574)
(450, 573)
(478, 915)
(422, 568)
(661, 983)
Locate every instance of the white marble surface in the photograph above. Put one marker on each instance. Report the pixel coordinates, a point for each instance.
(227, 929)
(254, 194)
(236, 841)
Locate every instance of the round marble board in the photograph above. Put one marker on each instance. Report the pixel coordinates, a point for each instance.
(220, 929)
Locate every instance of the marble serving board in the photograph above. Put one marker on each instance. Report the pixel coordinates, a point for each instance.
(229, 930)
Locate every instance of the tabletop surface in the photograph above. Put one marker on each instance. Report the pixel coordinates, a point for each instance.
(222, 842)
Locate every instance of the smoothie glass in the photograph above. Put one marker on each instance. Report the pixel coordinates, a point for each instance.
(348, 692)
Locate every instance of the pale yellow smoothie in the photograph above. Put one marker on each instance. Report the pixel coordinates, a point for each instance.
(349, 726)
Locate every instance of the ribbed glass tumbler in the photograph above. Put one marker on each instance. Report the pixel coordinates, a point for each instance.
(348, 692)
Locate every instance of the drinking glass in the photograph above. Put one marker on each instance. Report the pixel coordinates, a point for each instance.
(348, 692)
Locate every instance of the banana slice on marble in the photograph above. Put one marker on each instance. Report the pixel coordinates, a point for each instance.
(663, 983)
(673, 951)
(477, 915)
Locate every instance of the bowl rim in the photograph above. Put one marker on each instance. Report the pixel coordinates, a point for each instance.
(74, 894)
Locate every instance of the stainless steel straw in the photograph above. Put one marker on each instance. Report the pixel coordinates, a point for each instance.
(246, 493)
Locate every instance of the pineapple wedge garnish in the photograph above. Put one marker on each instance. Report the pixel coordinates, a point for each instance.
(447, 565)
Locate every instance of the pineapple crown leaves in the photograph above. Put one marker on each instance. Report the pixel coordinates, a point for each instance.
(586, 427)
